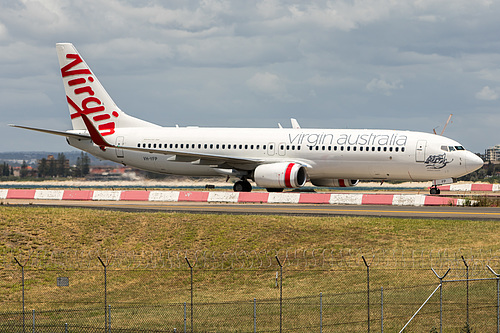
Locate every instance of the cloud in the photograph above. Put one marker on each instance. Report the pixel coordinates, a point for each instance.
(270, 85)
(383, 87)
(488, 94)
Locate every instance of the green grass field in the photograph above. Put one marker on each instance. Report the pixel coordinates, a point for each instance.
(148, 278)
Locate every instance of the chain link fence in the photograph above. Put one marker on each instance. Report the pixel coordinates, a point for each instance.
(236, 293)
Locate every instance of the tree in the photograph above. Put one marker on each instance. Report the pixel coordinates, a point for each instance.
(82, 165)
(5, 170)
(42, 168)
(24, 170)
(61, 165)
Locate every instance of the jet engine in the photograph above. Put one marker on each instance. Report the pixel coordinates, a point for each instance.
(335, 182)
(280, 175)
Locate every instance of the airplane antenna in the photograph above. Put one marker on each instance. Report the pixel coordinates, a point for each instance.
(449, 118)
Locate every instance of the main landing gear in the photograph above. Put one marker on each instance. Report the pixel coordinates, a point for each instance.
(435, 190)
(242, 186)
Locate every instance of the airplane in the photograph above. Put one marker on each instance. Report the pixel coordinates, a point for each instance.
(274, 158)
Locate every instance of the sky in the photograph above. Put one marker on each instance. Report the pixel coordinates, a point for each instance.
(385, 64)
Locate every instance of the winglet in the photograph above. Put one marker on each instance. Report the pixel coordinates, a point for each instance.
(96, 137)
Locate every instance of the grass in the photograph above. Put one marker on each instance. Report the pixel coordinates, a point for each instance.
(147, 267)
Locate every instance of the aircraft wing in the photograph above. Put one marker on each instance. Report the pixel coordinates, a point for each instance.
(54, 132)
(185, 156)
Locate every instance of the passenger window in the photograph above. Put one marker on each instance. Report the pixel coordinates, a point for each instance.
(397, 149)
(390, 148)
(348, 148)
(402, 149)
(154, 146)
(138, 145)
(217, 146)
(251, 146)
(143, 145)
(354, 148)
(211, 146)
(379, 148)
(323, 148)
(246, 146)
(360, 148)
(257, 147)
(342, 148)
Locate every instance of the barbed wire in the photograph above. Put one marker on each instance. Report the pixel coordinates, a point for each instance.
(319, 258)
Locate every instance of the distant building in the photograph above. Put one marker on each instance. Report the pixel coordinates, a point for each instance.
(101, 173)
(493, 154)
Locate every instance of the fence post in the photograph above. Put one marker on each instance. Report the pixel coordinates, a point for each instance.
(467, 278)
(22, 286)
(191, 268)
(105, 295)
(441, 297)
(281, 293)
(368, 288)
(498, 297)
(109, 318)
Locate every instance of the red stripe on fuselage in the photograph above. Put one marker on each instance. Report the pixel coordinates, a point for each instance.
(288, 173)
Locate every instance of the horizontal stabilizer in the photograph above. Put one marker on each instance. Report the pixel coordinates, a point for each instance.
(54, 132)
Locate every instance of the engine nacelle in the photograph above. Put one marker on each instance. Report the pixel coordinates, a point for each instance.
(280, 175)
(335, 182)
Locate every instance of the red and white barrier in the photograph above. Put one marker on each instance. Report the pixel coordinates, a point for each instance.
(234, 197)
(471, 187)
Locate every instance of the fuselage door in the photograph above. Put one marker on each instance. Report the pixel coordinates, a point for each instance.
(420, 151)
(119, 143)
(282, 149)
(270, 148)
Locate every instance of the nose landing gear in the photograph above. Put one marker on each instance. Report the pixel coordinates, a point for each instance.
(435, 190)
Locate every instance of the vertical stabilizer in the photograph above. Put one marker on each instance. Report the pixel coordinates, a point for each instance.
(85, 94)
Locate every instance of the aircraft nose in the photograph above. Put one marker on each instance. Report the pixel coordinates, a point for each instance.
(473, 162)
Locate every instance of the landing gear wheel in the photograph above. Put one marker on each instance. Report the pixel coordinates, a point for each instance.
(242, 186)
(435, 190)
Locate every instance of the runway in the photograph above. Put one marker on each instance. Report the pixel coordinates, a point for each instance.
(426, 212)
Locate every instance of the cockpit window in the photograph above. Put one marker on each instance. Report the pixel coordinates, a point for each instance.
(445, 148)
(451, 148)
(459, 148)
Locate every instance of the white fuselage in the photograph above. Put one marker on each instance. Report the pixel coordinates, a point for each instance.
(326, 153)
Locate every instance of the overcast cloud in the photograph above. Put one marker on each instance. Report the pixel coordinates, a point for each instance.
(335, 64)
